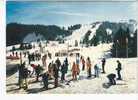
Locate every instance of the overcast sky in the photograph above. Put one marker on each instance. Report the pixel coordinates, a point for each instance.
(69, 13)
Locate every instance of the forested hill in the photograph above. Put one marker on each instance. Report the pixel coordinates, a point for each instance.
(15, 33)
(89, 34)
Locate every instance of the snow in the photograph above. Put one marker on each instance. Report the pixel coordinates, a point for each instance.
(8, 48)
(84, 85)
(93, 30)
(80, 33)
(109, 31)
(32, 37)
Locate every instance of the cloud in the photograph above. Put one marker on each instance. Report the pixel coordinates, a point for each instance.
(70, 13)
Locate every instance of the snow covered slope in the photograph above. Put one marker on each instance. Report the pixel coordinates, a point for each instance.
(32, 37)
(80, 33)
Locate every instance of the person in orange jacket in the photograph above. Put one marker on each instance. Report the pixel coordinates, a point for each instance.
(75, 71)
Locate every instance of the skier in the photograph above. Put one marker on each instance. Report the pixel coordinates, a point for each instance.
(44, 58)
(96, 70)
(34, 68)
(75, 70)
(77, 62)
(55, 70)
(111, 78)
(66, 64)
(88, 63)
(20, 68)
(13, 53)
(33, 57)
(40, 47)
(38, 70)
(83, 64)
(20, 58)
(45, 76)
(29, 58)
(58, 63)
(119, 68)
(103, 65)
(24, 76)
(16, 54)
(50, 70)
(63, 72)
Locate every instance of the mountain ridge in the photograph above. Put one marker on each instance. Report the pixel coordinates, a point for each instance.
(16, 33)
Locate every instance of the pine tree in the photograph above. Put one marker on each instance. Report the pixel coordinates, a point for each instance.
(86, 38)
(121, 43)
(94, 41)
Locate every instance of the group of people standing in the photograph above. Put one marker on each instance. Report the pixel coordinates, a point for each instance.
(34, 57)
(51, 70)
(86, 65)
(97, 70)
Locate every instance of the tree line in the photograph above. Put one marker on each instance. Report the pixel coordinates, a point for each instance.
(16, 32)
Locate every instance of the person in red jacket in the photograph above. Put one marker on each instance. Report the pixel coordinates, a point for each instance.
(34, 67)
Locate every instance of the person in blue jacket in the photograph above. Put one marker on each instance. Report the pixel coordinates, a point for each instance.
(96, 70)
